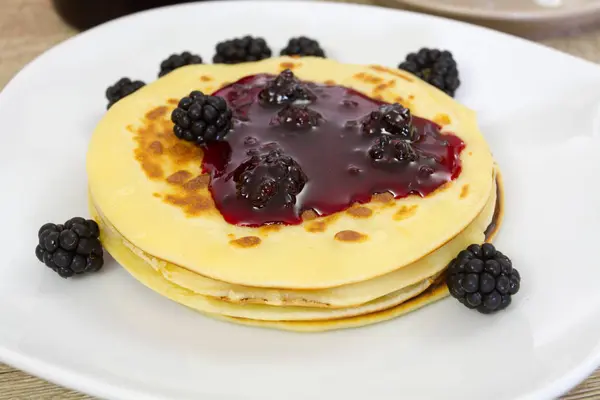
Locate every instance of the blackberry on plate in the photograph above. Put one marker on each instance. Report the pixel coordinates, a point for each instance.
(122, 88)
(270, 178)
(241, 50)
(390, 119)
(201, 118)
(72, 248)
(387, 150)
(177, 61)
(285, 88)
(483, 278)
(303, 46)
(437, 67)
(297, 117)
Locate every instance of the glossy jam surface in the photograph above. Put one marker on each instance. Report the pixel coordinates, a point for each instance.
(333, 153)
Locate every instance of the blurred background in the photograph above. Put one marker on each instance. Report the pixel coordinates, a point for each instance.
(30, 27)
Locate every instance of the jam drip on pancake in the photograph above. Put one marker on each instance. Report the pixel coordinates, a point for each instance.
(334, 147)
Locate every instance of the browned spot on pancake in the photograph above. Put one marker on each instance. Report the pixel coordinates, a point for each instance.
(442, 119)
(199, 182)
(173, 101)
(179, 177)
(156, 147)
(350, 236)
(246, 241)
(309, 215)
(470, 153)
(209, 89)
(157, 195)
(205, 78)
(193, 205)
(405, 212)
(231, 236)
(130, 128)
(330, 82)
(399, 99)
(182, 153)
(368, 78)
(411, 97)
(464, 191)
(288, 65)
(384, 86)
(321, 224)
(383, 197)
(391, 71)
(156, 113)
(316, 226)
(378, 97)
(360, 212)
(154, 171)
(265, 229)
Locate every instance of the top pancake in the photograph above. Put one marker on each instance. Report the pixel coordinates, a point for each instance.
(149, 185)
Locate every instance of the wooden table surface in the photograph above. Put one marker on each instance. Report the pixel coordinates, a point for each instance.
(29, 27)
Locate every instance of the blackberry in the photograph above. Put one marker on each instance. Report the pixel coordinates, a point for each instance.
(390, 119)
(284, 89)
(122, 88)
(201, 118)
(271, 178)
(483, 278)
(434, 66)
(303, 46)
(297, 117)
(241, 50)
(177, 61)
(70, 249)
(389, 150)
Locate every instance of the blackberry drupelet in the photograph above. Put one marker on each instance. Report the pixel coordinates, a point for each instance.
(483, 278)
(297, 117)
(389, 150)
(201, 118)
(390, 119)
(303, 46)
(270, 178)
(434, 66)
(285, 89)
(122, 88)
(177, 61)
(240, 50)
(70, 249)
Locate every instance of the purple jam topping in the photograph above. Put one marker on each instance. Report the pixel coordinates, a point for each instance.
(299, 146)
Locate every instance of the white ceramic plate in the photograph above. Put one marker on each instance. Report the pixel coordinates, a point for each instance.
(110, 336)
(524, 17)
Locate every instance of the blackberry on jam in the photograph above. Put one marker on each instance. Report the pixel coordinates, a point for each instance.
(122, 88)
(303, 46)
(240, 50)
(200, 118)
(387, 150)
(434, 66)
(483, 278)
(71, 248)
(297, 117)
(390, 119)
(270, 178)
(284, 89)
(177, 61)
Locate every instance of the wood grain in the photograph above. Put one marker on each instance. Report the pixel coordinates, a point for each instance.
(28, 27)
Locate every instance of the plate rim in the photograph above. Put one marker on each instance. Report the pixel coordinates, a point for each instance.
(75, 380)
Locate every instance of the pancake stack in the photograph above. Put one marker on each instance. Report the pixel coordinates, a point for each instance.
(371, 262)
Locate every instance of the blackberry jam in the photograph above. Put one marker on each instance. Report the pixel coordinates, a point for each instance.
(340, 146)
